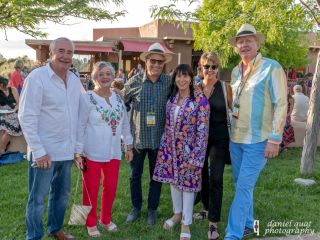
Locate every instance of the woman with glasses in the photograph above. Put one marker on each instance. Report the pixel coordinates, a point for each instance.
(219, 95)
(103, 122)
(9, 123)
(182, 148)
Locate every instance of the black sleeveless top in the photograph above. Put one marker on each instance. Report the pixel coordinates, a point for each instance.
(218, 128)
(7, 100)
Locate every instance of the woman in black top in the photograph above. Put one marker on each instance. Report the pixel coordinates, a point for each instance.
(219, 95)
(9, 123)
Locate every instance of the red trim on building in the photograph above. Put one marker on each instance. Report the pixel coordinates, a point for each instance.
(135, 46)
(92, 49)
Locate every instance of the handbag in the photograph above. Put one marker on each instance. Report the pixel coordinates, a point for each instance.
(79, 213)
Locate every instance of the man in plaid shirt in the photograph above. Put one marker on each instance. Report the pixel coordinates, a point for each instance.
(147, 94)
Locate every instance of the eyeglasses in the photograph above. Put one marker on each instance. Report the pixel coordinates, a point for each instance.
(154, 61)
(213, 67)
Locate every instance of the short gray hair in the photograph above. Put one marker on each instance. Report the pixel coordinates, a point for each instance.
(53, 44)
(99, 65)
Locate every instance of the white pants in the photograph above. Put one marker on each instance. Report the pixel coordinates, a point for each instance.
(182, 203)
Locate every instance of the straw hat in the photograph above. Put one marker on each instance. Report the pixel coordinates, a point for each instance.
(156, 48)
(247, 30)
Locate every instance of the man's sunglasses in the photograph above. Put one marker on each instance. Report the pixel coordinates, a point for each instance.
(213, 67)
(154, 61)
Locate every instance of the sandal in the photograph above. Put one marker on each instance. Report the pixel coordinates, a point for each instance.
(212, 232)
(111, 227)
(185, 236)
(168, 224)
(93, 232)
(200, 215)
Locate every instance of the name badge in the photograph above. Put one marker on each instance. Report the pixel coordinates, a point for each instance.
(235, 112)
(151, 119)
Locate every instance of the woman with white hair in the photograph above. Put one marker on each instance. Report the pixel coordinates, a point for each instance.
(103, 121)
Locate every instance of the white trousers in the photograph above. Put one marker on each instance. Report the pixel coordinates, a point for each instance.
(182, 203)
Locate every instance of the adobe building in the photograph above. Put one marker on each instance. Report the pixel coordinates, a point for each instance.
(314, 48)
(123, 46)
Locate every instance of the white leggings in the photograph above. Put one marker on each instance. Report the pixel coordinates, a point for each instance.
(182, 203)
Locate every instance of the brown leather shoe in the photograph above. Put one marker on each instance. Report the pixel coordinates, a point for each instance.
(62, 235)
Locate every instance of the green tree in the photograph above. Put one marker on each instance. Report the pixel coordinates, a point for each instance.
(283, 22)
(26, 15)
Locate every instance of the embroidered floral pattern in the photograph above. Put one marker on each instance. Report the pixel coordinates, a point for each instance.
(111, 116)
(183, 145)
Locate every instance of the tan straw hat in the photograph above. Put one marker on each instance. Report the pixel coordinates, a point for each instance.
(156, 48)
(247, 30)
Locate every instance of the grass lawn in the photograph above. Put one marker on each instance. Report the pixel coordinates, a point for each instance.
(278, 200)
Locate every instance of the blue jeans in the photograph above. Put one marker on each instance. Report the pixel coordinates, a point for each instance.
(247, 162)
(136, 175)
(57, 180)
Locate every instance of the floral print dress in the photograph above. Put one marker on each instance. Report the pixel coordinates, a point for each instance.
(184, 143)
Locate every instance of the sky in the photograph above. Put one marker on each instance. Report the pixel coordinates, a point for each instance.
(138, 15)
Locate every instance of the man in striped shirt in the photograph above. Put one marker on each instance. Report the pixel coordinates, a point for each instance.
(259, 114)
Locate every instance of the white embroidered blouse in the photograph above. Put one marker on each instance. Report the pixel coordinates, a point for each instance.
(101, 127)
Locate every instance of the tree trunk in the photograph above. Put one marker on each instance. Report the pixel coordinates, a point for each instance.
(313, 124)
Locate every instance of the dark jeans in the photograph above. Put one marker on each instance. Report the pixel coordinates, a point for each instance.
(136, 175)
(212, 181)
(55, 181)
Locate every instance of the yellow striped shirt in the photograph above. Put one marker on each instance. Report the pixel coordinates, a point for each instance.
(263, 102)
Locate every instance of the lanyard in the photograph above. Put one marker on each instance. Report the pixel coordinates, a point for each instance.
(243, 81)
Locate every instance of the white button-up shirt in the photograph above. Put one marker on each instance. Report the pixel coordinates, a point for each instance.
(48, 113)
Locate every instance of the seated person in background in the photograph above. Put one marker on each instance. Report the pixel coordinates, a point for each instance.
(9, 123)
(288, 132)
(301, 105)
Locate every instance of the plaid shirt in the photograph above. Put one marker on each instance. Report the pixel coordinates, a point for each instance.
(145, 96)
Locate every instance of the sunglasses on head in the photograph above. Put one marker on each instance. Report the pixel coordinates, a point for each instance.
(213, 66)
(154, 61)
